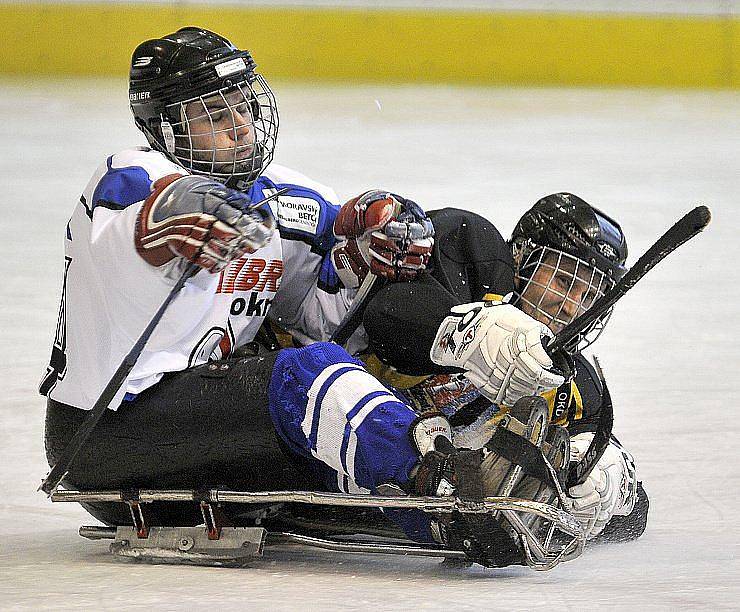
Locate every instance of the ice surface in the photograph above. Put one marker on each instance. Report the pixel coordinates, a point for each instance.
(671, 352)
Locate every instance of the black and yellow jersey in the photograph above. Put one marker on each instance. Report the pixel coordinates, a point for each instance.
(471, 262)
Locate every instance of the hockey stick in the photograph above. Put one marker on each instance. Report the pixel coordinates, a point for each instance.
(61, 467)
(684, 229)
(352, 319)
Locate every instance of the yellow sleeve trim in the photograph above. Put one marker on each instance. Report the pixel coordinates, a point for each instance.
(492, 297)
(576, 394)
(285, 339)
(550, 399)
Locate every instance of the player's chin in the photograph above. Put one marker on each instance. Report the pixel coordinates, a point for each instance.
(553, 324)
(230, 168)
(555, 327)
(241, 156)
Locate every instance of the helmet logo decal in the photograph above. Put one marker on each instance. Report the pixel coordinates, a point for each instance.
(143, 61)
(607, 250)
(139, 95)
(231, 67)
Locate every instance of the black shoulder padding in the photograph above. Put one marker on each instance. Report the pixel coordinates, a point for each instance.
(402, 320)
(470, 259)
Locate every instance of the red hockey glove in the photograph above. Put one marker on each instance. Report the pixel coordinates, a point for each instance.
(381, 233)
(200, 220)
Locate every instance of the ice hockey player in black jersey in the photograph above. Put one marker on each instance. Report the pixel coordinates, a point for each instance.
(563, 254)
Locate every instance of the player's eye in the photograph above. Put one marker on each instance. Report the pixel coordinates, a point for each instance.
(217, 115)
(562, 280)
(242, 108)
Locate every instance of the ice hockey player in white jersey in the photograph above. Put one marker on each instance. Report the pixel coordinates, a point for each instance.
(134, 219)
(211, 121)
(195, 410)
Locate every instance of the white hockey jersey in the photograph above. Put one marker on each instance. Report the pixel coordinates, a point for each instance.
(110, 293)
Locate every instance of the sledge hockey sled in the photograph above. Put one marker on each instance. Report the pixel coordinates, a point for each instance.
(547, 534)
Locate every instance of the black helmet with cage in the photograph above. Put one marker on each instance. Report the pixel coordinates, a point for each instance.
(199, 100)
(567, 254)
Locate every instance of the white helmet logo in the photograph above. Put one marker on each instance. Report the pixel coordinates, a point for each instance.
(232, 66)
(607, 250)
(143, 61)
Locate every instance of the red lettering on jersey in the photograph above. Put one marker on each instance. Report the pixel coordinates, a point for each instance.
(229, 275)
(251, 274)
(225, 346)
(269, 280)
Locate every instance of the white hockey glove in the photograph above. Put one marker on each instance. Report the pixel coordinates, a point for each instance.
(200, 220)
(499, 347)
(382, 233)
(610, 489)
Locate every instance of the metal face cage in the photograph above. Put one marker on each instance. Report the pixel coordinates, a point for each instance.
(227, 134)
(555, 288)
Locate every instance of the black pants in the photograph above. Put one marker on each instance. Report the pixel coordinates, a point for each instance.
(204, 427)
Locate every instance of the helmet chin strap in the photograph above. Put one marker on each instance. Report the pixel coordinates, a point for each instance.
(155, 144)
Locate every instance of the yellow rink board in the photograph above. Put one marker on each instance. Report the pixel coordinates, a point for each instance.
(422, 46)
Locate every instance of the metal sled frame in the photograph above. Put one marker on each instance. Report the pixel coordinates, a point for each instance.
(219, 544)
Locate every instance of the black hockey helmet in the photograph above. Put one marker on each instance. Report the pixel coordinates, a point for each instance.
(179, 87)
(565, 222)
(581, 253)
